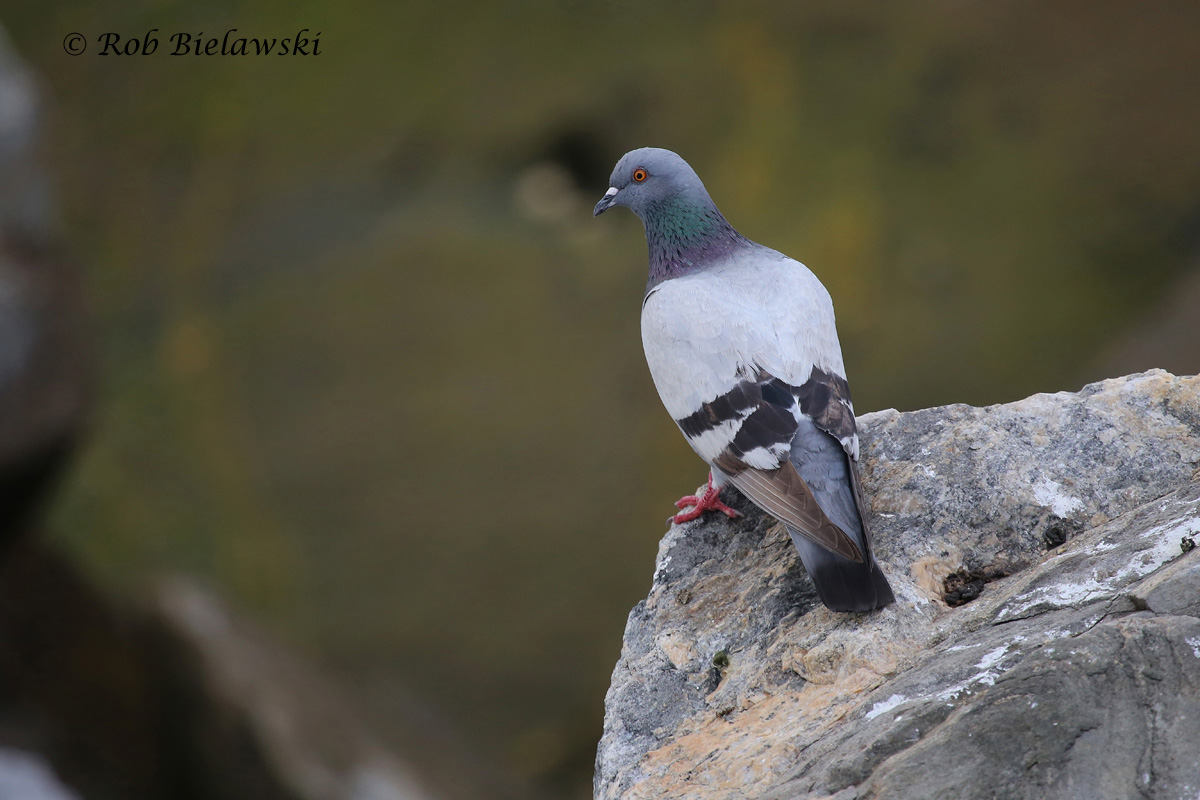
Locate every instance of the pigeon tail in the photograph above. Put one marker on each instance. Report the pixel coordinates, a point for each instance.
(842, 584)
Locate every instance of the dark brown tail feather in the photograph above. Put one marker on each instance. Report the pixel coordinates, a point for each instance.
(842, 584)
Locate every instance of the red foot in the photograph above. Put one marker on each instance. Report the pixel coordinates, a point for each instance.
(710, 500)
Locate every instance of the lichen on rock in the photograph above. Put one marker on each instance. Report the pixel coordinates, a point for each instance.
(1070, 667)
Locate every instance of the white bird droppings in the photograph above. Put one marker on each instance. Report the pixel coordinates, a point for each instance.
(1050, 494)
(885, 706)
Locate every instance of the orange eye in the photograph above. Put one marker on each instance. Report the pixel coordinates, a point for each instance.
(639, 175)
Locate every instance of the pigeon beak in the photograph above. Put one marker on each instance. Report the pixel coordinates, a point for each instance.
(605, 202)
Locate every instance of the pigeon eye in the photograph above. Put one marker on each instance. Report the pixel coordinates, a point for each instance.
(639, 175)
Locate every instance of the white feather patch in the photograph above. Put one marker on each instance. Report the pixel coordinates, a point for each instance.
(766, 458)
(711, 443)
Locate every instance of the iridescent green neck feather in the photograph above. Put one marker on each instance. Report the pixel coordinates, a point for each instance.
(687, 234)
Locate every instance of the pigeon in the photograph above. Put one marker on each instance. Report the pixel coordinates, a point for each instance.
(743, 349)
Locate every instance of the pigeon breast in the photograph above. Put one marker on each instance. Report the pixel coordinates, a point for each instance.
(721, 341)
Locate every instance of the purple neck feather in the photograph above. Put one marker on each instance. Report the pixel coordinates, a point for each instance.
(686, 236)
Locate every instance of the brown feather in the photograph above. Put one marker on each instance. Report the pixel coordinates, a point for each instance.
(784, 494)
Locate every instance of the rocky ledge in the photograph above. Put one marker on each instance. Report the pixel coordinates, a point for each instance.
(1045, 641)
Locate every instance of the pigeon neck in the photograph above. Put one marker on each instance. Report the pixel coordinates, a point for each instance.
(686, 236)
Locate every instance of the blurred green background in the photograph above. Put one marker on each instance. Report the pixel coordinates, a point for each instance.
(369, 368)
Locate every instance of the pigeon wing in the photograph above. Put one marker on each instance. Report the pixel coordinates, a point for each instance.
(747, 435)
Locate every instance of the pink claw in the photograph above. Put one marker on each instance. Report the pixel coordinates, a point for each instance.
(696, 505)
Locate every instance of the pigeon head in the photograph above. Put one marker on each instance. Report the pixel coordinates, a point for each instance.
(684, 229)
(647, 179)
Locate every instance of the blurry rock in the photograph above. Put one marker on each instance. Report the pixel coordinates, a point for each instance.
(79, 683)
(1071, 670)
(25, 201)
(27, 776)
(183, 701)
(43, 360)
(178, 702)
(305, 735)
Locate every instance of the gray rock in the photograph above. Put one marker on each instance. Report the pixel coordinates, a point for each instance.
(44, 362)
(1069, 669)
(25, 203)
(185, 699)
(27, 776)
(307, 738)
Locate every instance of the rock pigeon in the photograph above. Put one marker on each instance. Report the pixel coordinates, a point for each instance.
(742, 347)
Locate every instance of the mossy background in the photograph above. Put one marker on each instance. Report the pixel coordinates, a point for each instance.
(370, 370)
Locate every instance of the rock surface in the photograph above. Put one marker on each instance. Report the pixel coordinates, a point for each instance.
(1068, 667)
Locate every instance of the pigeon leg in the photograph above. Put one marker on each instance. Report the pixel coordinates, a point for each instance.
(708, 500)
